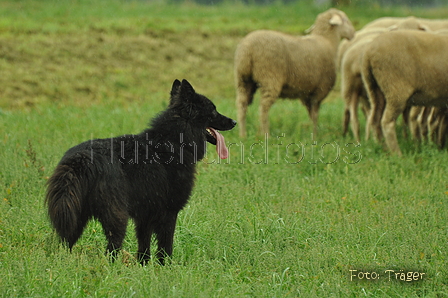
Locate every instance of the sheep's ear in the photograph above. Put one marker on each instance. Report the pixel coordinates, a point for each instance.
(393, 28)
(424, 28)
(310, 29)
(336, 20)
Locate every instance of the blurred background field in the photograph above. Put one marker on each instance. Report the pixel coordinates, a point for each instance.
(273, 221)
(83, 53)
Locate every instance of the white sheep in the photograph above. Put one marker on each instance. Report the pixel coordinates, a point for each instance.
(401, 69)
(433, 24)
(287, 66)
(345, 44)
(383, 25)
(352, 89)
(382, 22)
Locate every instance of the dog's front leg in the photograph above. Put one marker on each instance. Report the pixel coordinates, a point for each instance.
(165, 235)
(143, 231)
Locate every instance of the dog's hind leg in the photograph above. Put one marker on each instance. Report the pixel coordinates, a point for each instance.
(114, 227)
(165, 234)
(115, 233)
(113, 216)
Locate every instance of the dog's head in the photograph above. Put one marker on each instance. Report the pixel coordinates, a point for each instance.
(200, 111)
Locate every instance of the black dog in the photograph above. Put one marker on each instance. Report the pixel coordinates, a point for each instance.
(148, 177)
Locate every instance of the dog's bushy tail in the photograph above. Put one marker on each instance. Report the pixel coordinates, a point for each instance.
(65, 200)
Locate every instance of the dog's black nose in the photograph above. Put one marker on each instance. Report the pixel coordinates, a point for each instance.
(233, 122)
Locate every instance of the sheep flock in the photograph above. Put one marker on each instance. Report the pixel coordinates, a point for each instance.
(392, 66)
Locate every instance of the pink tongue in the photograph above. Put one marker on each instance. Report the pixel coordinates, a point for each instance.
(221, 148)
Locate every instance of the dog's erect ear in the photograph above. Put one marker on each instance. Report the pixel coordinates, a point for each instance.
(186, 91)
(187, 84)
(175, 88)
(182, 92)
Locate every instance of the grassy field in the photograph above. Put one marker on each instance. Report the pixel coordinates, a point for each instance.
(294, 215)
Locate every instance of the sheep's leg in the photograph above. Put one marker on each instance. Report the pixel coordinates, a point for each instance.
(365, 106)
(377, 103)
(368, 122)
(380, 107)
(345, 92)
(346, 121)
(413, 123)
(268, 97)
(313, 106)
(406, 114)
(443, 128)
(314, 115)
(374, 121)
(423, 119)
(354, 113)
(433, 123)
(347, 100)
(241, 107)
(370, 117)
(388, 123)
(245, 93)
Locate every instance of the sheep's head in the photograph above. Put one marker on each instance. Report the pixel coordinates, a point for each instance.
(334, 20)
(409, 23)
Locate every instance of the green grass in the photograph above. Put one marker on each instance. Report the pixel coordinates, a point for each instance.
(285, 224)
